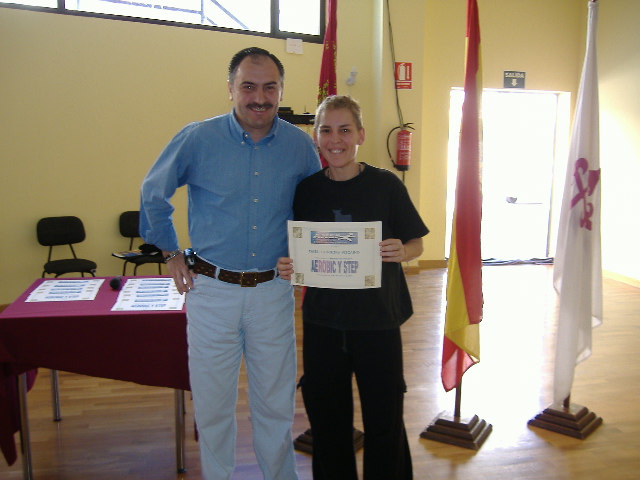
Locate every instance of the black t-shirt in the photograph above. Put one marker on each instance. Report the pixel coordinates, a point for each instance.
(375, 194)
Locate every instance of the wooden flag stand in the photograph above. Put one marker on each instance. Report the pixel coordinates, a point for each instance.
(568, 419)
(304, 441)
(453, 429)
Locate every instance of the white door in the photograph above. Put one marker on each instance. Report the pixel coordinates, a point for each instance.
(520, 142)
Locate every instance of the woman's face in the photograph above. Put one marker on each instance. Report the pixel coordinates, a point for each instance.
(338, 137)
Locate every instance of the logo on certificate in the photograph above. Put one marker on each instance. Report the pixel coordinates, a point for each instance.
(333, 238)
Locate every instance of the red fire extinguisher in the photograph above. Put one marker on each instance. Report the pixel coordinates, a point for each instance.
(403, 147)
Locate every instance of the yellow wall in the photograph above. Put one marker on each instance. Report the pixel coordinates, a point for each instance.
(619, 71)
(87, 104)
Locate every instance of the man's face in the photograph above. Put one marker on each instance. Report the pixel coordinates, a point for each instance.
(256, 92)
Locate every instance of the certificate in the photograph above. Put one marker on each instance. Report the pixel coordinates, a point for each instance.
(146, 294)
(66, 290)
(336, 254)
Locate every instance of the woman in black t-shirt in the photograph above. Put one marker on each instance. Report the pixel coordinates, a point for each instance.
(356, 331)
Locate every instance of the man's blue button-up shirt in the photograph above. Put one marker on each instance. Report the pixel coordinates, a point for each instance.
(240, 192)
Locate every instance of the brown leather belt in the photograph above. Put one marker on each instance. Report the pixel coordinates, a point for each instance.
(244, 279)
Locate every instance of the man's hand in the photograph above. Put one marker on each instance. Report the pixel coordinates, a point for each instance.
(182, 276)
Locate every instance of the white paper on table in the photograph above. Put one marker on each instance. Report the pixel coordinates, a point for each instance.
(336, 254)
(148, 294)
(66, 290)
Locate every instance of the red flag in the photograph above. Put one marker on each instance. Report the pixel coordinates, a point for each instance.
(327, 84)
(461, 347)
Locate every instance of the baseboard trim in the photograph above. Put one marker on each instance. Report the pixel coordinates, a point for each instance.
(634, 282)
(427, 264)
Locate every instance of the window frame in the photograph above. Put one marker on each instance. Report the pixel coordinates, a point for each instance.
(274, 33)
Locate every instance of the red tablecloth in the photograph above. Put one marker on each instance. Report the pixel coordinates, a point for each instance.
(86, 337)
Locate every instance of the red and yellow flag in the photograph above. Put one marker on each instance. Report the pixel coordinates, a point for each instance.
(461, 347)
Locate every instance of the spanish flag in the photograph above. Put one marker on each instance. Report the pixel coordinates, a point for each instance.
(461, 347)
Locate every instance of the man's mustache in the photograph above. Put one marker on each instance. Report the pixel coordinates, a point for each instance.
(260, 105)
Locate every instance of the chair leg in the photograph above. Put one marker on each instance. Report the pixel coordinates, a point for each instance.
(25, 437)
(179, 409)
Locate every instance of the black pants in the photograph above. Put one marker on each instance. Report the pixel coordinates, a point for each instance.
(331, 358)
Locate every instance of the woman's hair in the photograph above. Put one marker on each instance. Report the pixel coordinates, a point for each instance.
(335, 102)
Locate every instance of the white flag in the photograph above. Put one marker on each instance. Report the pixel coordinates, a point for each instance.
(577, 273)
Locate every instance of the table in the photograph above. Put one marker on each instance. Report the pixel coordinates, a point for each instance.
(86, 337)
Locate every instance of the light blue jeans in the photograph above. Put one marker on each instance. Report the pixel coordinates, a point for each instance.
(225, 322)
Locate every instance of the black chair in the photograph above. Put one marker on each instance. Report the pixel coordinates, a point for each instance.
(56, 231)
(129, 222)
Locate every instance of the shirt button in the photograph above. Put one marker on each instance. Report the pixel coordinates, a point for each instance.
(255, 200)
(253, 254)
(255, 227)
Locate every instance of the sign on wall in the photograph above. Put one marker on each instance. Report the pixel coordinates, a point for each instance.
(514, 79)
(403, 74)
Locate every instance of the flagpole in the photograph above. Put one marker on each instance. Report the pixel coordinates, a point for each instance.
(457, 409)
(461, 347)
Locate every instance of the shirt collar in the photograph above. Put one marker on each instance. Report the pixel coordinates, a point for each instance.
(237, 130)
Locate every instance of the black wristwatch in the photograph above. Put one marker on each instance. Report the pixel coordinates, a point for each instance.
(189, 257)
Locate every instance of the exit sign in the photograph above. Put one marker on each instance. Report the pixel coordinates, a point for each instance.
(514, 79)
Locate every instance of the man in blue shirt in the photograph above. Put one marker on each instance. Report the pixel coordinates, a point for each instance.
(241, 170)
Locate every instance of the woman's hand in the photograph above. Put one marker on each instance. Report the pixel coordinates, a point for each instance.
(285, 267)
(393, 250)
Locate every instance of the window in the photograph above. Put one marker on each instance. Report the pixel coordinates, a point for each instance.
(274, 18)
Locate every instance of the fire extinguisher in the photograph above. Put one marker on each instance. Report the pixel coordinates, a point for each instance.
(403, 147)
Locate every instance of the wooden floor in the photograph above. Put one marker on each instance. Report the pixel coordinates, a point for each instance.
(114, 429)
